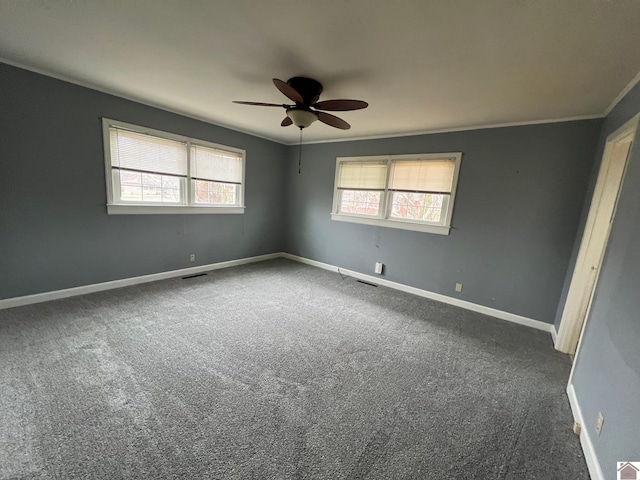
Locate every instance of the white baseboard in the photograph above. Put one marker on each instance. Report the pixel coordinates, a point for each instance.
(98, 287)
(511, 317)
(554, 334)
(585, 440)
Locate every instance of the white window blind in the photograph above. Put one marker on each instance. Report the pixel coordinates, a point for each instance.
(410, 192)
(155, 172)
(146, 153)
(362, 175)
(216, 165)
(427, 176)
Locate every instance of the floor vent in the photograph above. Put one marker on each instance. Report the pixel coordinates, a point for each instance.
(194, 276)
(367, 283)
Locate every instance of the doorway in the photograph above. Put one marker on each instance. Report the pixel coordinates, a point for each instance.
(596, 235)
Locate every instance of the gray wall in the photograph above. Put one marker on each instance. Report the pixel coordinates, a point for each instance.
(54, 229)
(607, 369)
(520, 194)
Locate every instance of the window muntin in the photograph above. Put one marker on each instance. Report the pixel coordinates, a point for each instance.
(412, 192)
(149, 169)
(360, 202)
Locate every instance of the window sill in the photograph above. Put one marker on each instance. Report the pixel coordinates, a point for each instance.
(383, 222)
(170, 209)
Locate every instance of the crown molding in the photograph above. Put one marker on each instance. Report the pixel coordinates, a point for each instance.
(622, 94)
(456, 129)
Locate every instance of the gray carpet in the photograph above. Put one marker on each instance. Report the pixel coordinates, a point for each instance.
(278, 370)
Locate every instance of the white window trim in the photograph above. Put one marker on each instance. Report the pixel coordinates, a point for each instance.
(186, 207)
(137, 209)
(383, 219)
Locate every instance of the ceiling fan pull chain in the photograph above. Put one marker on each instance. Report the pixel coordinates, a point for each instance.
(300, 152)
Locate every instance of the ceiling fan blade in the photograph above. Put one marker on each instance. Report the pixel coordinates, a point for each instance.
(341, 105)
(288, 90)
(333, 121)
(260, 104)
(286, 122)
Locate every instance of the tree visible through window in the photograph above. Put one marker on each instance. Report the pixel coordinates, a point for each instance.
(426, 207)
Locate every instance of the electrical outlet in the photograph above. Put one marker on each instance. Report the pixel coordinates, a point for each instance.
(458, 287)
(379, 267)
(192, 257)
(599, 423)
(577, 428)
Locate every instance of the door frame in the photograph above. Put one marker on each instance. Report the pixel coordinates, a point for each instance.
(578, 298)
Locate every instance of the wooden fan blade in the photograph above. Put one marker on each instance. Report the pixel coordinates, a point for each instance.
(333, 121)
(340, 105)
(288, 90)
(260, 104)
(286, 122)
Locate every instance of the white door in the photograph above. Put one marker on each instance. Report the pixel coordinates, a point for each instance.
(596, 234)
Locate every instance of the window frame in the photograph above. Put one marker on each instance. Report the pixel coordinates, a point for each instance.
(384, 219)
(187, 203)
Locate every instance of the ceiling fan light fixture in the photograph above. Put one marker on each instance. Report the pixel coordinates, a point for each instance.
(302, 118)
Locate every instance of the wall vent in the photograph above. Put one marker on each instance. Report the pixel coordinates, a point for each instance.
(194, 276)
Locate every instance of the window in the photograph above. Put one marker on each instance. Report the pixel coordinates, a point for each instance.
(149, 171)
(411, 192)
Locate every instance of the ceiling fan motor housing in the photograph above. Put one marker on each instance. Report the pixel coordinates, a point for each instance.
(308, 88)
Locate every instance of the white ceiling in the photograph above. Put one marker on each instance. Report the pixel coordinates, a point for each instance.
(422, 65)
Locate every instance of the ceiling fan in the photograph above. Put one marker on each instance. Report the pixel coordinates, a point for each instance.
(305, 92)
